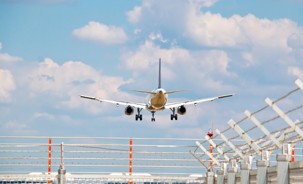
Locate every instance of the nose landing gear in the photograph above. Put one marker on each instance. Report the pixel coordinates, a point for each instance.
(153, 117)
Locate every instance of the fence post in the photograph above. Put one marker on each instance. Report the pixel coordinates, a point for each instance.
(283, 164)
(245, 169)
(262, 168)
(210, 177)
(220, 177)
(61, 171)
(232, 170)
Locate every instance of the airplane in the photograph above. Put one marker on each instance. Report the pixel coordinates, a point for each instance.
(157, 101)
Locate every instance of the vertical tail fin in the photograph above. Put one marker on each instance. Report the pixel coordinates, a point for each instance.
(159, 79)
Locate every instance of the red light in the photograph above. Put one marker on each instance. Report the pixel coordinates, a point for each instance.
(210, 133)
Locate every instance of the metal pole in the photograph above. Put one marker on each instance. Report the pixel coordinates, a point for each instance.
(61, 171)
(49, 165)
(293, 154)
(130, 160)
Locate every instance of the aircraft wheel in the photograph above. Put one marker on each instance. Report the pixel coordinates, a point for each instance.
(171, 117)
(137, 117)
(153, 119)
(176, 116)
(140, 117)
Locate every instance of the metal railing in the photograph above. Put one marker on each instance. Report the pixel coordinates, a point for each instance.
(150, 159)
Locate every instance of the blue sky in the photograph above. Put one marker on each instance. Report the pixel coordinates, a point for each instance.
(53, 51)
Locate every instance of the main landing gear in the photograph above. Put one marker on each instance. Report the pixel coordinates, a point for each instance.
(173, 115)
(139, 115)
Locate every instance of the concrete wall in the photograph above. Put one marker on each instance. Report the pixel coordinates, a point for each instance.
(293, 174)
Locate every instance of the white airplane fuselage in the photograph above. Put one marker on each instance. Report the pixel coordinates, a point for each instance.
(157, 101)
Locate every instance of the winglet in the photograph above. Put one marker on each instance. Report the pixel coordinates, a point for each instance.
(159, 79)
(88, 97)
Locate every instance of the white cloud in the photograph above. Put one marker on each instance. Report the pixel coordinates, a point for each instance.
(236, 31)
(148, 54)
(184, 65)
(213, 30)
(203, 3)
(95, 31)
(134, 15)
(43, 115)
(159, 13)
(71, 79)
(248, 58)
(4, 57)
(295, 71)
(157, 36)
(189, 20)
(7, 84)
(296, 40)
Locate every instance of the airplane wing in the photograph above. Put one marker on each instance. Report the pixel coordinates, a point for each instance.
(137, 105)
(195, 102)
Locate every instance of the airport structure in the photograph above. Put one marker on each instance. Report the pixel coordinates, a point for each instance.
(263, 146)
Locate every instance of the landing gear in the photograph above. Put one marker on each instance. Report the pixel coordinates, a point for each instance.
(173, 115)
(153, 117)
(139, 115)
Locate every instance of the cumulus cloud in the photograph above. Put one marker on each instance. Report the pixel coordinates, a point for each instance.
(203, 3)
(161, 12)
(295, 40)
(38, 1)
(247, 43)
(191, 20)
(95, 31)
(181, 65)
(237, 31)
(157, 36)
(43, 115)
(295, 71)
(134, 15)
(7, 84)
(71, 79)
(4, 57)
(17, 128)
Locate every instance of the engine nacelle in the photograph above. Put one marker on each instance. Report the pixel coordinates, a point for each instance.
(129, 110)
(181, 110)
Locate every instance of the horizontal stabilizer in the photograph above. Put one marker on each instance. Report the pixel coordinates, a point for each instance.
(147, 92)
(171, 92)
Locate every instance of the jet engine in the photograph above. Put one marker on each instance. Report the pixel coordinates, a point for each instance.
(181, 110)
(129, 110)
